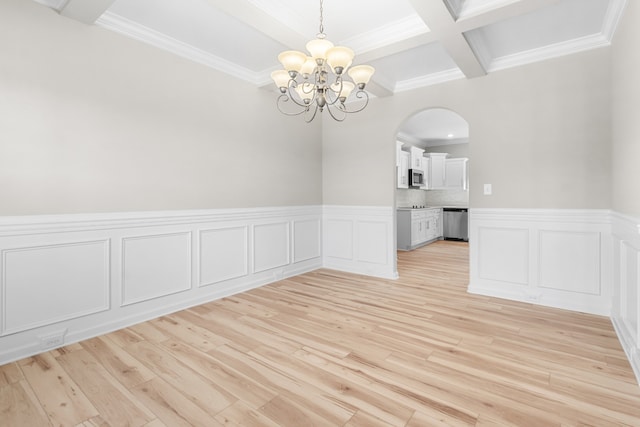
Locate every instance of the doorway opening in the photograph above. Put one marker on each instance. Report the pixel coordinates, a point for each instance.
(432, 178)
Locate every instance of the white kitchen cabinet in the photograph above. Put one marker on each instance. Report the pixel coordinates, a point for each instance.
(417, 227)
(455, 174)
(417, 158)
(398, 151)
(403, 169)
(437, 166)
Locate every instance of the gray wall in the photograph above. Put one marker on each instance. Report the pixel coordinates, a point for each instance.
(626, 113)
(454, 150)
(539, 133)
(91, 121)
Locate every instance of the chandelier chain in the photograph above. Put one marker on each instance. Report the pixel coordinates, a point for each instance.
(321, 19)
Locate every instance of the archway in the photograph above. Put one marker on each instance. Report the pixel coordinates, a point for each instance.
(434, 141)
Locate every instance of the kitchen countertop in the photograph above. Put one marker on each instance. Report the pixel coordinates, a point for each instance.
(410, 208)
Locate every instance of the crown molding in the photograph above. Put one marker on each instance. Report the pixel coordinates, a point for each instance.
(119, 24)
(385, 35)
(429, 79)
(549, 52)
(53, 4)
(475, 7)
(612, 18)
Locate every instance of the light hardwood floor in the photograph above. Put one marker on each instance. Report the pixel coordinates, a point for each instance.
(335, 349)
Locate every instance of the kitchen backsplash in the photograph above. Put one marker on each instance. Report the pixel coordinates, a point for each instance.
(406, 198)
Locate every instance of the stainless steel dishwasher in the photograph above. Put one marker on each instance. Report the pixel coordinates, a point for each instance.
(455, 223)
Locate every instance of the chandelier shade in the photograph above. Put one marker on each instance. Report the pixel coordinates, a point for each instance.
(292, 60)
(339, 58)
(361, 74)
(318, 81)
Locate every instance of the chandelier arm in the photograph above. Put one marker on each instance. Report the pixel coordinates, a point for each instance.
(290, 89)
(359, 94)
(313, 116)
(335, 93)
(334, 117)
(328, 97)
(285, 98)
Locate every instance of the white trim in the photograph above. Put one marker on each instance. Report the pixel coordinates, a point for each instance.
(549, 52)
(37, 224)
(429, 80)
(119, 24)
(57, 5)
(396, 31)
(612, 18)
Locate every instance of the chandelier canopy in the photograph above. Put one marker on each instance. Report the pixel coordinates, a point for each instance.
(317, 81)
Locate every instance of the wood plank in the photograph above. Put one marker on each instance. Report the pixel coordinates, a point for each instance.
(123, 366)
(241, 415)
(18, 407)
(10, 374)
(62, 399)
(252, 393)
(172, 407)
(202, 391)
(116, 405)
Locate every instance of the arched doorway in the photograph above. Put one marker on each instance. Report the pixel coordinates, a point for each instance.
(434, 141)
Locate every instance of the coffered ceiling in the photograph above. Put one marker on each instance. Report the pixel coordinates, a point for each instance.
(411, 43)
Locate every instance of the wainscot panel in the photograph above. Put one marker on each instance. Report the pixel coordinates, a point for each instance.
(557, 258)
(360, 239)
(626, 286)
(66, 278)
(155, 266)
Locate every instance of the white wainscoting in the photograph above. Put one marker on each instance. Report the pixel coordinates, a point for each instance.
(360, 239)
(626, 286)
(557, 258)
(66, 278)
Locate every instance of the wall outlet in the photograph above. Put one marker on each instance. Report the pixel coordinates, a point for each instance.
(531, 296)
(487, 190)
(53, 340)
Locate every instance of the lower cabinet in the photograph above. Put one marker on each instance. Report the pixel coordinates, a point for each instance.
(417, 227)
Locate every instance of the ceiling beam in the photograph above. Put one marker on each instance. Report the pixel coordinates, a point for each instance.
(439, 20)
(255, 17)
(397, 47)
(501, 13)
(86, 11)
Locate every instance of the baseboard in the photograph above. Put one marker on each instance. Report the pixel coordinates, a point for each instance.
(629, 345)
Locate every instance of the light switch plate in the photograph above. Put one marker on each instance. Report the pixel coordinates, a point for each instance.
(487, 189)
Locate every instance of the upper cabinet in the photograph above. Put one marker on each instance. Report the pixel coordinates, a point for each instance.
(440, 172)
(417, 158)
(455, 174)
(403, 159)
(436, 163)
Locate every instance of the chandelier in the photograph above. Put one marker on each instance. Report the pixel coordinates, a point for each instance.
(318, 82)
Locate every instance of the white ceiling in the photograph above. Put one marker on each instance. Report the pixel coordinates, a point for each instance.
(434, 127)
(411, 43)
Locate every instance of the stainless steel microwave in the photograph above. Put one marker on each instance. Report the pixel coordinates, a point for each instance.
(416, 178)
